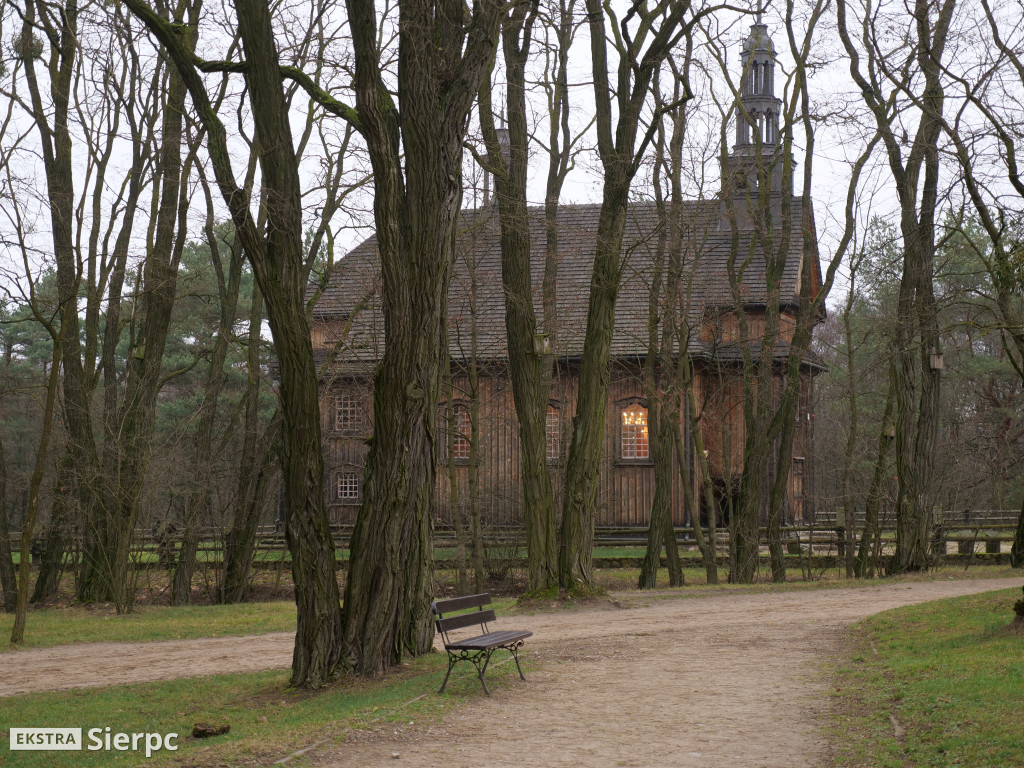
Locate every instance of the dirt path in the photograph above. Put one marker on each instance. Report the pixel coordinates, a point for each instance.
(87, 665)
(732, 680)
(729, 680)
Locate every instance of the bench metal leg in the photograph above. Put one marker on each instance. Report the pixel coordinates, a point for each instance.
(514, 650)
(474, 659)
(452, 659)
(487, 660)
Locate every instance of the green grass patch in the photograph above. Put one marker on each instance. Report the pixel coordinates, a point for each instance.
(267, 720)
(937, 684)
(60, 626)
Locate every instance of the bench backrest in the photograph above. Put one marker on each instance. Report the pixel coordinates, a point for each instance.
(446, 622)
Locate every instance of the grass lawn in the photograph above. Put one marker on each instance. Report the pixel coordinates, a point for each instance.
(61, 626)
(938, 684)
(267, 721)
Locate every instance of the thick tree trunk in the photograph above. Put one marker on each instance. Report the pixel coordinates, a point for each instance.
(664, 421)
(280, 271)
(618, 150)
(576, 537)
(442, 59)
(279, 266)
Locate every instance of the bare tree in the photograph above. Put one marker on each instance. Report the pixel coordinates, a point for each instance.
(885, 72)
(642, 40)
(278, 258)
(531, 352)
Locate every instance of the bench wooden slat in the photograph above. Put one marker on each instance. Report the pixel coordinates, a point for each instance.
(492, 640)
(461, 603)
(465, 620)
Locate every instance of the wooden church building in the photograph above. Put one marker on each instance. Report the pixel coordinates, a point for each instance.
(348, 339)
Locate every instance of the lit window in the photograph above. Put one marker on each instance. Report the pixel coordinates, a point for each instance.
(460, 445)
(348, 486)
(554, 433)
(634, 433)
(347, 414)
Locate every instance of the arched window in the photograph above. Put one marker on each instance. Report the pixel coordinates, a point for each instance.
(553, 432)
(633, 440)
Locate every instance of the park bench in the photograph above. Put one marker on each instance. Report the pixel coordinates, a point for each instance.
(476, 649)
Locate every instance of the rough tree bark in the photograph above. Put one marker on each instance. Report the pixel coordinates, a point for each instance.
(444, 50)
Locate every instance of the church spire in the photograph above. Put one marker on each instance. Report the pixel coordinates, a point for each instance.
(757, 118)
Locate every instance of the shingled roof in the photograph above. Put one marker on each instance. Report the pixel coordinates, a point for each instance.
(353, 292)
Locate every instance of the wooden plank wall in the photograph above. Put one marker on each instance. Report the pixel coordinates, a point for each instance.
(625, 489)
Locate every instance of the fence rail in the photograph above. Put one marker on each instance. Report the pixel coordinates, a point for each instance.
(991, 530)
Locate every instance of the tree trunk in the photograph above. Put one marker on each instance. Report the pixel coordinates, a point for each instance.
(660, 531)
(35, 483)
(57, 164)
(705, 545)
(576, 537)
(916, 383)
(1017, 550)
(618, 150)
(137, 417)
(51, 558)
(8, 580)
(254, 473)
(866, 566)
(529, 364)
(441, 62)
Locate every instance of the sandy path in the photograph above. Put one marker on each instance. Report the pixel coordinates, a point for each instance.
(728, 680)
(87, 665)
(732, 680)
